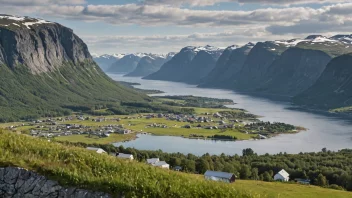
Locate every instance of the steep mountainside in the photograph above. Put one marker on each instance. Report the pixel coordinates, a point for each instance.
(294, 71)
(228, 65)
(256, 65)
(190, 65)
(174, 68)
(150, 64)
(105, 61)
(333, 89)
(45, 69)
(126, 64)
(203, 63)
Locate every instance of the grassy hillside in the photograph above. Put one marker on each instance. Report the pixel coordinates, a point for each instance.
(73, 166)
(71, 87)
(78, 167)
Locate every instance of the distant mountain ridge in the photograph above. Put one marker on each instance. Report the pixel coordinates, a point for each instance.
(190, 65)
(106, 60)
(150, 64)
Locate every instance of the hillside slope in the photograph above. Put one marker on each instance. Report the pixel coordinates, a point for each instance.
(333, 89)
(46, 70)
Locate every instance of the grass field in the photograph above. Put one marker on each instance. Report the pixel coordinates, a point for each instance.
(96, 140)
(286, 190)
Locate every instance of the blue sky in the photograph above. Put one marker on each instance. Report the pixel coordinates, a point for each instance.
(162, 26)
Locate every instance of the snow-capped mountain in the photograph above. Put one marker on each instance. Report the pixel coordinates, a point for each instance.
(150, 64)
(189, 65)
(106, 60)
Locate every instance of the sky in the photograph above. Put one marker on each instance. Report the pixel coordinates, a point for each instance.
(162, 26)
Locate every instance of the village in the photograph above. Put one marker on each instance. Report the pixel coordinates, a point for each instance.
(222, 125)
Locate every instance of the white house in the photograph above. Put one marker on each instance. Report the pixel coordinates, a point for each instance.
(282, 176)
(97, 150)
(156, 162)
(124, 156)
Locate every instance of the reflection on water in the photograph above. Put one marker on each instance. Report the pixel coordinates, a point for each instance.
(323, 131)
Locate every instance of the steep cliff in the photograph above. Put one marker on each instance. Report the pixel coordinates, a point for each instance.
(150, 64)
(333, 89)
(46, 70)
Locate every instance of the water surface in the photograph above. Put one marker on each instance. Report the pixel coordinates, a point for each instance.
(323, 131)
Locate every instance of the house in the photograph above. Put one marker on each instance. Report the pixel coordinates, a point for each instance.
(282, 176)
(97, 150)
(303, 181)
(177, 168)
(220, 176)
(156, 162)
(124, 156)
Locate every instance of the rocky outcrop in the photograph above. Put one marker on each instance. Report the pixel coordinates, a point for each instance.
(18, 182)
(41, 46)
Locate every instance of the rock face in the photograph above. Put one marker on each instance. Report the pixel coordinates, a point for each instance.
(126, 64)
(150, 64)
(190, 65)
(18, 182)
(294, 71)
(40, 45)
(333, 89)
(228, 65)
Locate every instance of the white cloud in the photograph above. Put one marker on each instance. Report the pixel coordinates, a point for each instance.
(261, 2)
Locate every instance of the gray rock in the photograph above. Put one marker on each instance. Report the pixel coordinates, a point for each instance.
(21, 183)
(11, 175)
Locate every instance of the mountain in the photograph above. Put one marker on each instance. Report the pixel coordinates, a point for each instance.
(301, 65)
(259, 59)
(126, 64)
(150, 64)
(190, 65)
(47, 70)
(294, 71)
(333, 89)
(105, 61)
(228, 65)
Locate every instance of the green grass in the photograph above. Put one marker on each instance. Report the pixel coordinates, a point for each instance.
(287, 190)
(95, 139)
(139, 125)
(72, 166)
